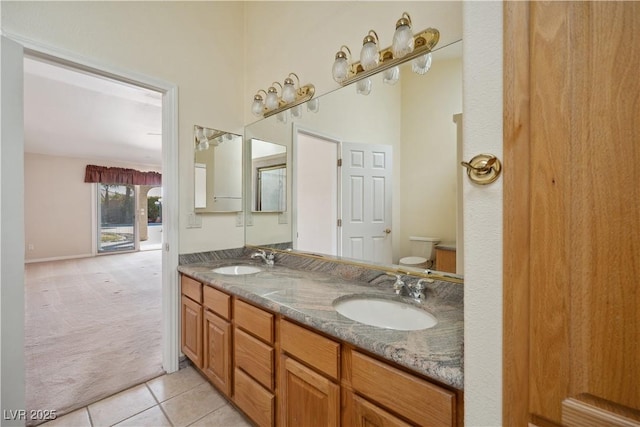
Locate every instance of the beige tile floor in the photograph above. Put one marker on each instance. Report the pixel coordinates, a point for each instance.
(183, 398)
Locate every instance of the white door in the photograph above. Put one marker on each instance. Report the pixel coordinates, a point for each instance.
(12, 226)
(316, 194)
(366, 202)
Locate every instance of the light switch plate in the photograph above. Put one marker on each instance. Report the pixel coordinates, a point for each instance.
(194, 221)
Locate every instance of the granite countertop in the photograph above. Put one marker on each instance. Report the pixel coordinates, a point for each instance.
(304, 294)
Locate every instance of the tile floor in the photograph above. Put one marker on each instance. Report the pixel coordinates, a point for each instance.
(183, 398)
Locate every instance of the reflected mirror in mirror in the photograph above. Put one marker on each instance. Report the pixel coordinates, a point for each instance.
(268, 176)
(399, 146)
(217, 170)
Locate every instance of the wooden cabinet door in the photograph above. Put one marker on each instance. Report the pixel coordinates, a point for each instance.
(359, 412)
(572, 217)
(306, 397)
(191, 336)
(217, 351)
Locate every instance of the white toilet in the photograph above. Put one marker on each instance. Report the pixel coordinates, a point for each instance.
(423, 251)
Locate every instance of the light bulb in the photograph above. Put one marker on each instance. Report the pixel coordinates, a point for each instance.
(363, 87)
(204, 145)
(272, 99)
(257, 107)
(296, 111)
(199, 133)
(421, 64)
(288, 91)
(391, 76)
(282, 117)
(369, 55)
(313, 105)
(340, 69)
(403, 42)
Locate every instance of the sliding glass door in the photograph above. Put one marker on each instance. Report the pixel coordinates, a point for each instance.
(116, 218)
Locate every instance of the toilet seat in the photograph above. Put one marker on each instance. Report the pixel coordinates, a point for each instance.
(413, 261)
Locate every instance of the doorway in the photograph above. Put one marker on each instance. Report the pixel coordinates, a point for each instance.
(317, 201)
(168, 318)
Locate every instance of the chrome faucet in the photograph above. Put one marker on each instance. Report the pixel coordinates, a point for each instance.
(398, 285)
(268, 258)
(413, 290)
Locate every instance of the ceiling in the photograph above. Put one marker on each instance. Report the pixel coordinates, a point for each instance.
(72, 113)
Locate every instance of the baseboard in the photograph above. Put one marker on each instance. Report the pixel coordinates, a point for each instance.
(58, 258)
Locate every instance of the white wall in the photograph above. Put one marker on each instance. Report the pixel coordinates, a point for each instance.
(192, 44)
(482, 76)
(58, 205)
(303, 37)
(429, 148)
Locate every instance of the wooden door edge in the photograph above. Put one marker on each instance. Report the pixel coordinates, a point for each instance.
(516, 226)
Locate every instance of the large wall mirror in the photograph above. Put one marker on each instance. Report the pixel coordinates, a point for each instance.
(217, 171)
(400, 176)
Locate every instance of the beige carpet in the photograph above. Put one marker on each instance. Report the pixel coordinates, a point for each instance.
(92, 328)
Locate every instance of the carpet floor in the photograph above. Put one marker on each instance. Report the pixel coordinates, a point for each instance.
(92, 328)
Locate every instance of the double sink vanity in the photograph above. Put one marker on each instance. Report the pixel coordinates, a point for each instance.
(316, 341)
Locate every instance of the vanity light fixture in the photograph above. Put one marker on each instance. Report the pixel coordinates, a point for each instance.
(204, 137)
(406, 46)
(290, 95)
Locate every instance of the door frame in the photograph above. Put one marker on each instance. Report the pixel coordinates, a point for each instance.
(170, 169)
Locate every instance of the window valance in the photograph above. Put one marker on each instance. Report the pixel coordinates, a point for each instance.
(107, 175)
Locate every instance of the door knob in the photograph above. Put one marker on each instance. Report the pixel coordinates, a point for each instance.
(388, 230)
(483, 169)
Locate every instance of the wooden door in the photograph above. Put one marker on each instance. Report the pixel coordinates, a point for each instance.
(572, 217)
(216, 362)
(191, 337)
(306, 397)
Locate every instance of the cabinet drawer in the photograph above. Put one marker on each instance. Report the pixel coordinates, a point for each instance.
(254, 400)
(315, 350)
(217, 301)
(191, 288)
(255, 358)
(418, 400)
(253, 320)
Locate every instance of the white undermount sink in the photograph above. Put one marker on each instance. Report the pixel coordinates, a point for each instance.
(384, 313)
(237, 270)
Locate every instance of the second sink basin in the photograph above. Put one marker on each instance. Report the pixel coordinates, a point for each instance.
(237, 270)
(384, 313)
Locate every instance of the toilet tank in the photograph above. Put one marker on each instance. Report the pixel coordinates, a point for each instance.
(423, 246)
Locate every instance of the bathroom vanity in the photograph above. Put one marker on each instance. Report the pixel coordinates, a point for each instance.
(272, 342)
